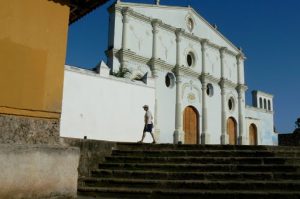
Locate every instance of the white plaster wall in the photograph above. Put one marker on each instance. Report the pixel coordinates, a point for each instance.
(230, 72)
(213, 63)
(188, 45)
(176, 16)
(263, 119)
(166, 97)
(166, 46)
(139, 37)
(214, 115)
(103, 108)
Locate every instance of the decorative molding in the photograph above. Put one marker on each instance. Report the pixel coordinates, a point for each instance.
(227, 83)
(191, 86)
(241, 87)
(191, 11)
(188, 72)
(210, 78)
(162, 65)
(259, 110)
(173, 29)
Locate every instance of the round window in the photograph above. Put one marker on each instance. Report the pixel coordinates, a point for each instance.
(231, 104)
(210, 90)
(169, 80)
(190, 59)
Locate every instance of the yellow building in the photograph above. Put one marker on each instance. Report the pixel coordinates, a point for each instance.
(33, 40)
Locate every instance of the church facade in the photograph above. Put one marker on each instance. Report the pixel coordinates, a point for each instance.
(192, 79)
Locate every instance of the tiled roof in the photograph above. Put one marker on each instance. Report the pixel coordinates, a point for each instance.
(79, 8)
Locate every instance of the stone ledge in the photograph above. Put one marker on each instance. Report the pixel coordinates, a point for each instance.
(28, 130)
(38, 171)
(92, 152)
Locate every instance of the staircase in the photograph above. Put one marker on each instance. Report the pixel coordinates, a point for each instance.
(195, 171)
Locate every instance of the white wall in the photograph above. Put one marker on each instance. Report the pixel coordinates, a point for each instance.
(263, 119)
(177, 16)
(103, 108)
(166, 108)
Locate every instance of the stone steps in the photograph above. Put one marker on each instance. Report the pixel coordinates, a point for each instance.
(108, 192)
(195, 171)
(274, 176)
(205, 153)
(198, 167)
(207, 160)
(161, 147)
(192, 184)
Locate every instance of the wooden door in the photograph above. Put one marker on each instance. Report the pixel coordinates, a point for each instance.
(190, 125)
(231, 130)
(252, 134)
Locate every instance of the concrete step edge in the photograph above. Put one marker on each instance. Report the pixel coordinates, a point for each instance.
(126, 180)
(186, 191)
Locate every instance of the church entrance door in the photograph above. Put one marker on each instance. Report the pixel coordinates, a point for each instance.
(252, 134)
(231, 130)
(191, 125)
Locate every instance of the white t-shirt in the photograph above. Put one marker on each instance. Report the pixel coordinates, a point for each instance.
(148, 117)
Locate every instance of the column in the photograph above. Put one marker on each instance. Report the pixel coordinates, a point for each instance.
(155, 25)
(178, 133)
(125, 13)
(224, 137)
(205, 139)
(241, 100)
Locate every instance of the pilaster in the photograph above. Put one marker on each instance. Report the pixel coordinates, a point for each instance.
(155, 28)
(178, 133)
(205, 137)
(125, 13)
(224, 136)
(241, 88)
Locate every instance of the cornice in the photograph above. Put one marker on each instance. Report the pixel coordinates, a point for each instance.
(141, 17)
(160, 64)
(188, 72)
(242, 87)
(263, 94)
(227, 83)
(259, 109)
(209, 77)
(129, 55)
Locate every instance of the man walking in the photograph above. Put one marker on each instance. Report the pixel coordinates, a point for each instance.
(148, 124)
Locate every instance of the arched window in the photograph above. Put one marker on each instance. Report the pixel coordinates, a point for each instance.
(265, 104)
(260, 103)
(269, 105)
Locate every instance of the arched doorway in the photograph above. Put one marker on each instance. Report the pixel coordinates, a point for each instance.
(252, 134)
(231, 130)
(191, 125)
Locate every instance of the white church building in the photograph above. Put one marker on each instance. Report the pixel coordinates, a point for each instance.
(173, 60)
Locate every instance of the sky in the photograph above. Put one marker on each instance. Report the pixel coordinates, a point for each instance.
(268, 31)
